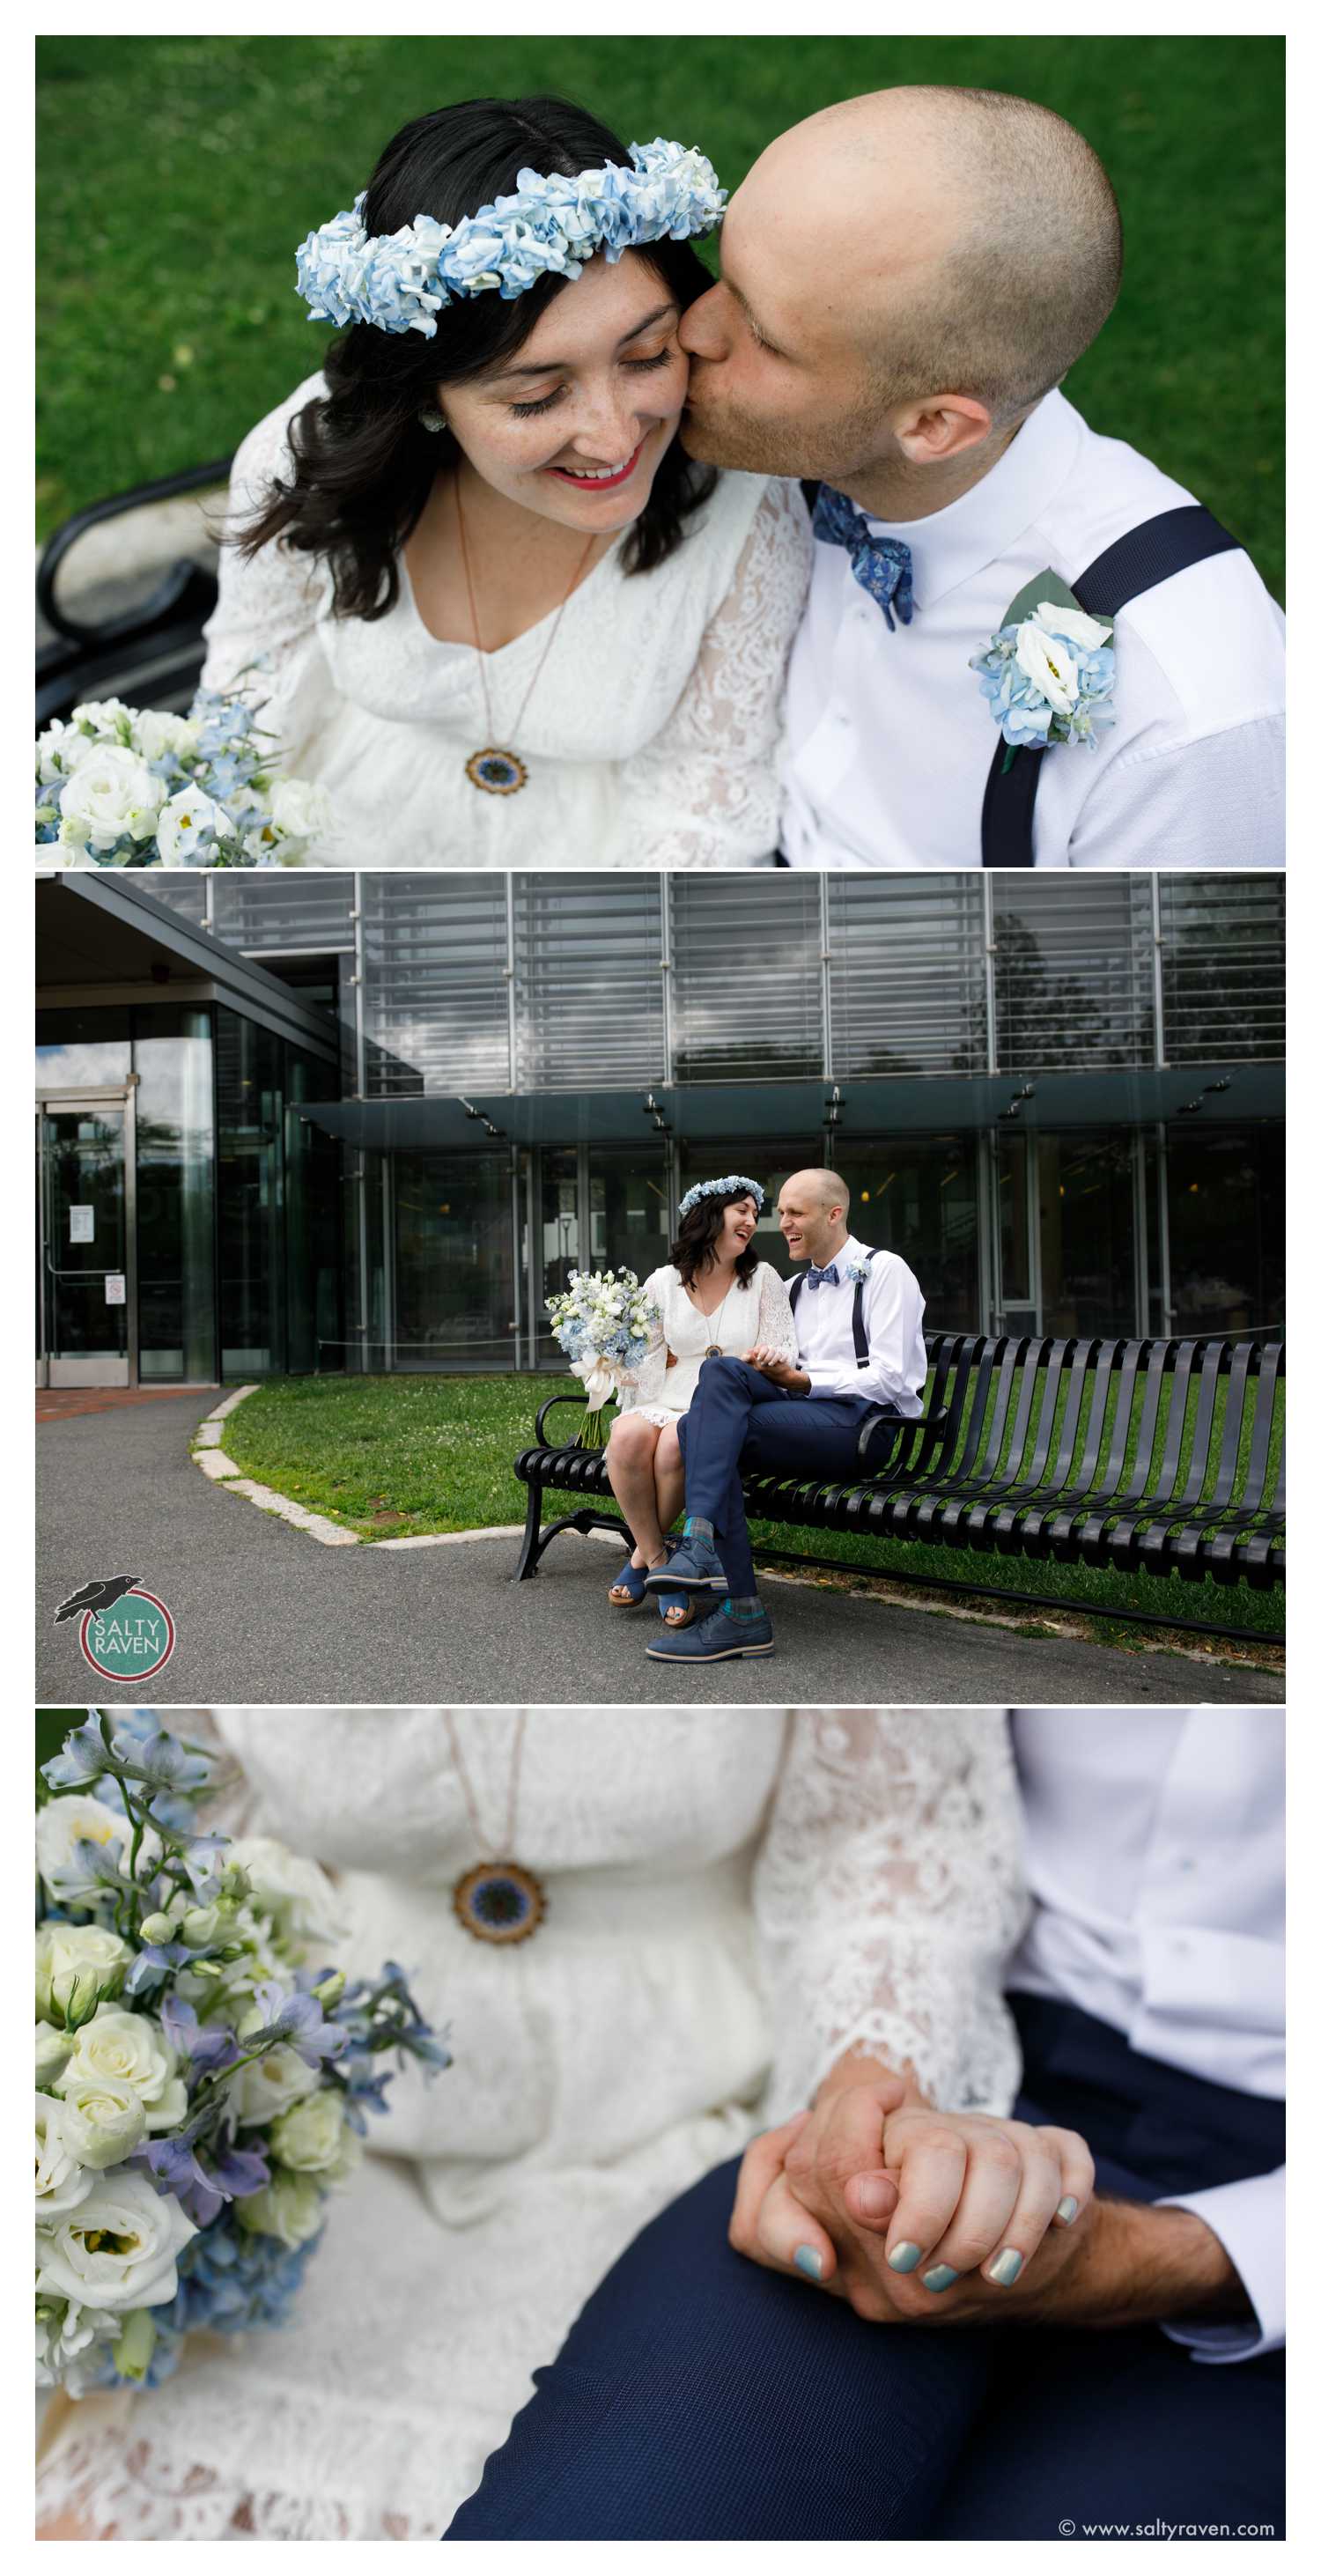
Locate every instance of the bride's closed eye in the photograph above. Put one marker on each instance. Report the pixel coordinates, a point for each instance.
(638, 366)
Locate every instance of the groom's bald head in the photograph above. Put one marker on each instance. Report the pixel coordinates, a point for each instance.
(892, 249)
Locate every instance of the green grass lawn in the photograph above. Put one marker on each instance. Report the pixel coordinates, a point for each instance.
(393, 1457)
(177, 174)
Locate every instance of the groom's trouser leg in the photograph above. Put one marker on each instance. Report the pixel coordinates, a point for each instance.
(739, 1419)
(700, 2397)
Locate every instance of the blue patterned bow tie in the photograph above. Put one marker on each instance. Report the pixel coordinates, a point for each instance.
(827, 1278)
(883, 565)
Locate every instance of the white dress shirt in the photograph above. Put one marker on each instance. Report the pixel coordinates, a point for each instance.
(892, 1306)
(890, 741)
(1155, 1856)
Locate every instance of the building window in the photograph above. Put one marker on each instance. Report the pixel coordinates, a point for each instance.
(452, 1261)
(907, 974)
(1073, 971)
(589, 1002)
(747, 976)
(175, 1195)
(1226, 1207)
(435, 1003)
(917, 1196)
(1223, 964)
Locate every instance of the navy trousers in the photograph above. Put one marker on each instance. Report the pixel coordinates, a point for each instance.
(740, 1420)
(700, 2397)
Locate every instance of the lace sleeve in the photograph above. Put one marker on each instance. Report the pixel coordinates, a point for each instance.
(268, 605)
(889, 1893)
(775, 1322)
(704, 793)
(648, 1382)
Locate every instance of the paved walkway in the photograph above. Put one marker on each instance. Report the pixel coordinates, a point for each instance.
(55, 1402)
(265, 1613)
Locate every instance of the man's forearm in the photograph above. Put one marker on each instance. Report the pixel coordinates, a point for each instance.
(1132, 2265)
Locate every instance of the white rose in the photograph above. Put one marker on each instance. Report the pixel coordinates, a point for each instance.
(103, 2119)
(300, 810)
(78, 1966)
(60, 749)
(184, 824)
(63, 2334)
(310, 2137)
(290, 2208)
(130, 2048)
(160, 735)
(1048, 666)
(61, 2180)
(110, 793)
(62, 1824)
(105, 716)
(53, 2048)
(118, 2249)
(295, 1890)
(261, 2091)
(1074, 625)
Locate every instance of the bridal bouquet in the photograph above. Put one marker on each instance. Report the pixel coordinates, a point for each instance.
(125, 787)
(604, 1323)
(201, 2085)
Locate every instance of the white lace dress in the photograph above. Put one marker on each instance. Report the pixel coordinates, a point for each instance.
(651, 736)
(759, 1314)
(733, 1902)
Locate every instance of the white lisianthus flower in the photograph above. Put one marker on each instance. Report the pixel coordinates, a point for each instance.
(300, 810)
(62, 2182)
(53, 2048)
(103, 2118)
(311, 2137)
(162, 736)
(110, 793)
(261, 2091)
(118, 2249)
(108, 718)
(290, 2208)
(189, 823)
(1074, 625)
(295, 1891)
(1048, 666)
(64, 2331)
(62, 1824)
(130, 2048)
(60, 749)
(78, 1966)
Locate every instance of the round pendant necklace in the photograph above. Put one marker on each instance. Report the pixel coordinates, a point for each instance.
(714, 1349)
(496, 772)
(499, 1900)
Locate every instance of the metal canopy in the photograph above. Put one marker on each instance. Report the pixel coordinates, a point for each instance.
(703, 1112)
(96, 928)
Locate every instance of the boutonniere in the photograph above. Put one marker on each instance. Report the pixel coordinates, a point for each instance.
(1049, 670)
(857, 1272)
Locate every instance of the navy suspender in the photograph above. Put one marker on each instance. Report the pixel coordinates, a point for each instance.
(1150, 554)
(860, 1343)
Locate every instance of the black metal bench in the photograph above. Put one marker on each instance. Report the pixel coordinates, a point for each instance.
(1154, 1457)
(152, 655)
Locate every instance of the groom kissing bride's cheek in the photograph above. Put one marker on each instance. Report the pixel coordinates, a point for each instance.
(906, 278)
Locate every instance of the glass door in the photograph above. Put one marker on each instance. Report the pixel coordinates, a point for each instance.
(86, 1304)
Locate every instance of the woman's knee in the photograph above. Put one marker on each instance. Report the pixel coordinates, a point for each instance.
(632, 1438)
(669, 1455)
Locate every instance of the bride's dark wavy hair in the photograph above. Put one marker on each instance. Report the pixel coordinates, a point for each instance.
(363, 464)
(699, 1233)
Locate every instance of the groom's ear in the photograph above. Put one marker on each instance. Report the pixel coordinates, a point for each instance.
(939, 426)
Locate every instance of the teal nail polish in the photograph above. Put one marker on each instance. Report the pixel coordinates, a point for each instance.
(939, 2277)
(1068, 2209)
(807, 2259)
(1006, 2268)
(905, 2257)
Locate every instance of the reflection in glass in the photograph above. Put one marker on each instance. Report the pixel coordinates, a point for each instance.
(1226, 1201)
(453, 1256)
(1088, 1233)
(312, 1263)
(75, 1047)
(917, 1196)
(250, 1194)
(84, 1237)
(175, 1160)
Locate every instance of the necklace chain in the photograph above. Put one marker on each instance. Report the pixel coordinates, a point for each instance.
(477, 632)
(465, 1783)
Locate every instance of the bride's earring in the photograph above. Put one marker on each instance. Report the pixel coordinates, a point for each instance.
(430, 418)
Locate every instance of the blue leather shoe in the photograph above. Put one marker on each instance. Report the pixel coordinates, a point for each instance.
(715, 1639)
(694, 1567)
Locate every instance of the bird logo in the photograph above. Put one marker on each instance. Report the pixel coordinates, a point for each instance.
(96, 1596)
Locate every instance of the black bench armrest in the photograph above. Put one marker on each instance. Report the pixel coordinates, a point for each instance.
(548, 1406)
(912, 1433)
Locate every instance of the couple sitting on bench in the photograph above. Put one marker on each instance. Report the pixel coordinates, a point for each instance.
(814, 1380)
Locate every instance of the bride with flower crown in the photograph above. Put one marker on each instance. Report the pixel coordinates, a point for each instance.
(722, 1913)
(492, 605)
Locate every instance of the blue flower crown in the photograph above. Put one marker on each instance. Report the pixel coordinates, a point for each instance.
(400, 281)
(734, 1185)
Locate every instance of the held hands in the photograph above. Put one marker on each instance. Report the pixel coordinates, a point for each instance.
(781, 1371)
(916, 2215)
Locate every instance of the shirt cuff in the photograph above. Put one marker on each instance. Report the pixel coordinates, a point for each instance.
(1248, 2218)
(824, 1382)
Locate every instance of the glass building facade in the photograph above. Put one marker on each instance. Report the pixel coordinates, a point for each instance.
(1059, 1097)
